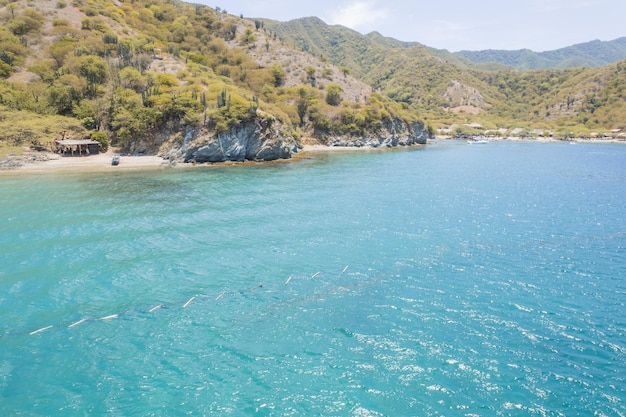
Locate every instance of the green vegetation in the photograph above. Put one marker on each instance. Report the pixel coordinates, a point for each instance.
(333, 94)
(102, 138)
(147, 70)
(449, 89)
(27, 128)
(12, 52)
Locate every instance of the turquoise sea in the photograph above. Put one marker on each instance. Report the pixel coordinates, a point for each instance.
(449, 280)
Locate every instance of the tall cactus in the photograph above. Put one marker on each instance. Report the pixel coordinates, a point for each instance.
(221, 99)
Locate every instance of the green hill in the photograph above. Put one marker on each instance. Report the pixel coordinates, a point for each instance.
(168, 76)
(155, 75)
(450, 89)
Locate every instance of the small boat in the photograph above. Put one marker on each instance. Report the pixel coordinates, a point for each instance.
(115, 160)
(477, 141)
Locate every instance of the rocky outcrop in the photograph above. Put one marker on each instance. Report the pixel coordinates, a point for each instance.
(256, 140)
(264, 140)
(17, 161)
(394, 133)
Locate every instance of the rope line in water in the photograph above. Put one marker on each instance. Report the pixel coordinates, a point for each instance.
(76, 323)
(189, 301)
(43, 329)
(154, 308)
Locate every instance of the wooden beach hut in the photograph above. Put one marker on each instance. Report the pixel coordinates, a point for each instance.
(82, 147)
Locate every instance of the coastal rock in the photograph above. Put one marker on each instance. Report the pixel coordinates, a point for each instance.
(17, 161)
(264, 139)
(394, 133)
(257, 140)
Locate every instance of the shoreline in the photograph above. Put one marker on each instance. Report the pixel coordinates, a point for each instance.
(47, 162)
(539, 139)
(39, 162)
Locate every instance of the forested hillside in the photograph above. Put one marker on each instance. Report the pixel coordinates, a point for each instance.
(449, 89)
(149, 75)
(143, 74)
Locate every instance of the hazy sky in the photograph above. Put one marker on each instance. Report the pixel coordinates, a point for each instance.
(454, 25)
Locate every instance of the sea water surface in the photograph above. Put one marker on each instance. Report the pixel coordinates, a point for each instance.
(450, 280)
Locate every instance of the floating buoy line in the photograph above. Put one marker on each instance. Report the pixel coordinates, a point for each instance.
(153, 309)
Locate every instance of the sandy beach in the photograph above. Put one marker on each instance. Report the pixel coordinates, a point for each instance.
(51, 162)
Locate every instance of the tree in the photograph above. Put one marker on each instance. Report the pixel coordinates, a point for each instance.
(29, 21)
(11, 7)
(132, 78)
(89, 113)
(279, 75)
(101, 138)
(310, 74)
(64, 93)
(248, 36)
(94, 68)
(333, 94)
(303, 103)
(60, 50)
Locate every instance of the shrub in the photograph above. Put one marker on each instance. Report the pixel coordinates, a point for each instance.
(166, 80)
(248, 36)
(29, 21)
(279, 75)
(5, 69)
(333, 94)
(101, 138)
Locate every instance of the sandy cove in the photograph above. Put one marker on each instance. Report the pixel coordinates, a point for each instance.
(51, 162)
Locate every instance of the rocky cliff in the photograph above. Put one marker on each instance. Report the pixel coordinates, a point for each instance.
(394, 133)
(263, 139)
(258, 140)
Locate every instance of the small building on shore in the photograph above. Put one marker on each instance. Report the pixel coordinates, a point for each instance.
(82, 147)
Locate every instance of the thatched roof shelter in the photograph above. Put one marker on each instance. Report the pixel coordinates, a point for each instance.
(70, 147)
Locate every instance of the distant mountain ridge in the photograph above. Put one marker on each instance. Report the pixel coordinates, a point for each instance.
(592, 54)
